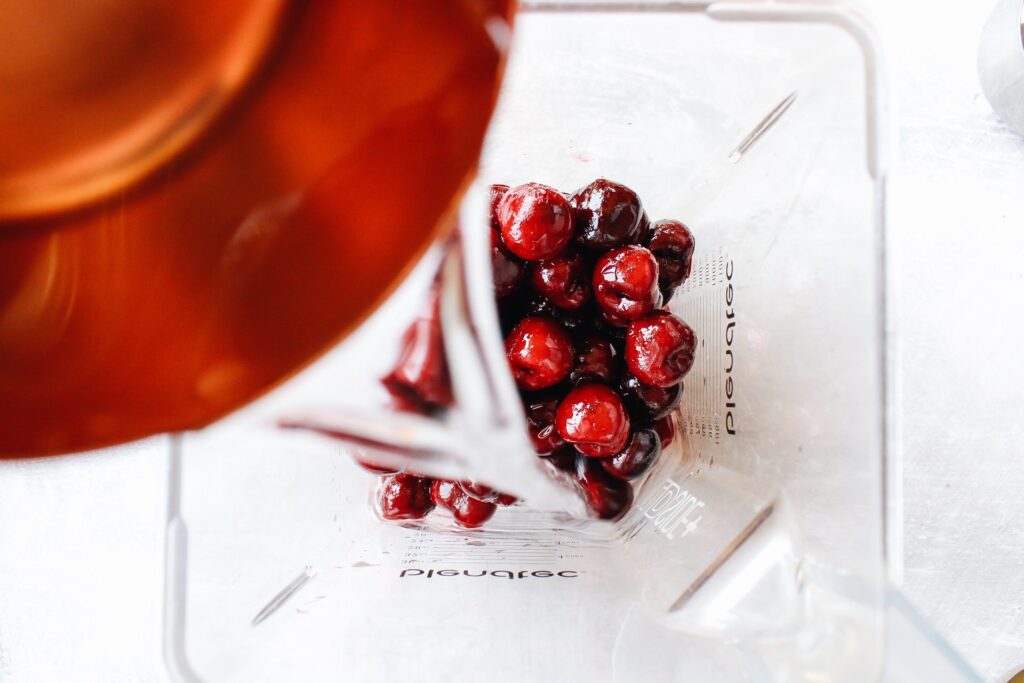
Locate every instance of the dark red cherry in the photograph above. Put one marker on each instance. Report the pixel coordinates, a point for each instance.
(570, 320)
(421, 372)
(494, 195)
(508, 271)
(666, 429)
(647, 402)
(626, 284)
(563, 458)
(595, 357)
(539, 353)
(606, 496)
(467, 510)
(660, 349)
(505, 499)
(636, 458)
(672, 245)
(405, 496)
(606, 215)
(563, 280)
(536, 221)
(540, 419)
(592, 418)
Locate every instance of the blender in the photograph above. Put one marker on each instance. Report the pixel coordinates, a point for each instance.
(763, 546)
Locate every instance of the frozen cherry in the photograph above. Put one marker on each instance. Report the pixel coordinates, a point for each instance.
(606, 214)
(536, 221)
(505, 499)
(539, 352)
(666, 429)
(647, 402)
(494, 194)
(636, 458)
(660, 349)
(626, 284)
(540, 419)
(594, 358)
(592, 418)
(405, 496)
(509, 272)
(563, 280)
(672, 245)
(467, 510)
(421, 372)
(563, 458)
(606, 496)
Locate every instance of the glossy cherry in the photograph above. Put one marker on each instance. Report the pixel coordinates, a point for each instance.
(647, 402)
(606, 496)
(626, 284)
(539, 353)
(536, 221)
(405, 496)
(562, 280)
(421, 373)
(508, 271)
(595, 357)
(636, 458)
(660, 349)
(467, 510)
(593, 418)
(494, 194)
(540, 419)
(666, 429)
(672, 244)
(606, 215)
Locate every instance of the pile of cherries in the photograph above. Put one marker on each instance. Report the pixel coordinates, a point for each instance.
(582, 282)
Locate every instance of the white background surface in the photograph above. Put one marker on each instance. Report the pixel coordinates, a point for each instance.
(81, 539)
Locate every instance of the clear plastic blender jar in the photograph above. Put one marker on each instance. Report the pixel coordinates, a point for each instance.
(762, 545)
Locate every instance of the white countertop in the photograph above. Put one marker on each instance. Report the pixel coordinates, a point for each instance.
(957, 219)
(81, 539)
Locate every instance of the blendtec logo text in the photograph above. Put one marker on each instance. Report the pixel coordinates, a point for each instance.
(496, 573)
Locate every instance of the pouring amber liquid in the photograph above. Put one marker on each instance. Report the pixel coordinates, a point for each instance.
(199, 198)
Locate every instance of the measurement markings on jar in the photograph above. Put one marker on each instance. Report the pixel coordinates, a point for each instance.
(703, 307)
(674, 512)
(469, 550)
